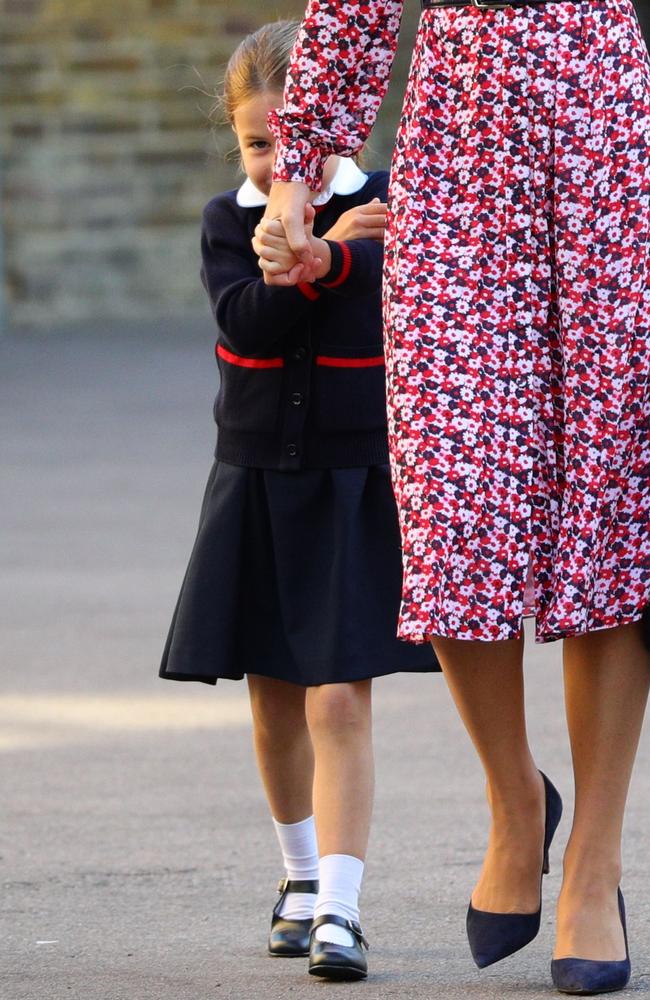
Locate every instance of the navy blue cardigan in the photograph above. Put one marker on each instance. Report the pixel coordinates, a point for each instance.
(302, 372)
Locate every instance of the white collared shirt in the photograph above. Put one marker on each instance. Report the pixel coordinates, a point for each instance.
(347, 179)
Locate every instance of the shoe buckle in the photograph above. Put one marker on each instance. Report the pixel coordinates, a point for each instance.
(359, 935)
(282, 884)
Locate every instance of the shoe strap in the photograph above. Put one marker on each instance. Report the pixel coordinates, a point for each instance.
(298, 885)
(286, 885)
(350, 925)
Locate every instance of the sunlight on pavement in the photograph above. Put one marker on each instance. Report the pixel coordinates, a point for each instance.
(40, 720)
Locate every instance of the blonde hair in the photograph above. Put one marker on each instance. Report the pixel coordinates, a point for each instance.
(259, 64)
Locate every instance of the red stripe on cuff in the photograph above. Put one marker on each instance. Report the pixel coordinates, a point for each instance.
(308, 290)
(236, 359)
(328, 362)
(345, 268)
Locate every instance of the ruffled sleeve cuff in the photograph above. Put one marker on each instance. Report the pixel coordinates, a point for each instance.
(298, 160)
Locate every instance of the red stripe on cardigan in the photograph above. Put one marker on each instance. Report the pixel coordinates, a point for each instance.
(324, 360)
(236, 359)
(345, 269)
(308, 290)
(328, 362)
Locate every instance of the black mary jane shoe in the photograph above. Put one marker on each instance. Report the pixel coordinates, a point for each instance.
(290, 938)
(338, 961)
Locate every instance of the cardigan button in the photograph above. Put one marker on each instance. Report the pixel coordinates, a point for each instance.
(299, 354)
(292, 449)
(297, 398)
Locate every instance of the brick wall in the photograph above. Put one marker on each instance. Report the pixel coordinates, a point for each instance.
(107, 156)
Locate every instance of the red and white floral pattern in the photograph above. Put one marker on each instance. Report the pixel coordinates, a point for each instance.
(516, 299)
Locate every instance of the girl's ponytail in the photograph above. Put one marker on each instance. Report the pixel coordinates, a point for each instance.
(258, 64)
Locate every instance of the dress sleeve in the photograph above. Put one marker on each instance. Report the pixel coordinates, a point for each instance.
(337, 78)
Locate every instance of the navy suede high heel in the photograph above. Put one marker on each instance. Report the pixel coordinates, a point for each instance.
(493, 936)
(586, 977)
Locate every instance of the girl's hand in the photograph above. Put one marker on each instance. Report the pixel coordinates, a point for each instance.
(287, 202)
(274, 254)
(361, 222)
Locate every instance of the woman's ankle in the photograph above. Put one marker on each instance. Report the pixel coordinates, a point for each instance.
(518, 800)
(591, 872)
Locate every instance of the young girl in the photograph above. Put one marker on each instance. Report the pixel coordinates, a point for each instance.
(295, 576)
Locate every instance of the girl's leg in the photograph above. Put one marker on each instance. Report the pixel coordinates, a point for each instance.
(607, 676)
(486, 682)
(286, 764)
(340, 725)
(282, 746)
(339, 717)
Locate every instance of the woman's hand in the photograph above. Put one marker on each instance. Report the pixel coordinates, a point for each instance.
(287, 202)
(361, 222)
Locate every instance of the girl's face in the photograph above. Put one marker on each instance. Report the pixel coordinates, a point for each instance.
(257, 142)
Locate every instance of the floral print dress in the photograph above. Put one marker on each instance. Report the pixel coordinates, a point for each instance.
(516, 299)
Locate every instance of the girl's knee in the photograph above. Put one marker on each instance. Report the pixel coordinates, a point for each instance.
(276, 706)
(338, 707)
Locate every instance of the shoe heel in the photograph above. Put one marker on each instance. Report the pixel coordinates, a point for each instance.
(553, 817)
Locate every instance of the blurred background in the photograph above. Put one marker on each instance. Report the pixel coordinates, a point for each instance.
(107, 153)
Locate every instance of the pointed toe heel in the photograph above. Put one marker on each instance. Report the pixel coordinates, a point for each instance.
(585, 977)
(290, 938)
(336, 961)
(494, 936)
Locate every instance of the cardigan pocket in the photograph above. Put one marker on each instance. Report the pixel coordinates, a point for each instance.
(349, 388)
(249, 393)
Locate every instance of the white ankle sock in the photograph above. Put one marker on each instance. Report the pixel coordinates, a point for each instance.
(340, 884)
(300, 854)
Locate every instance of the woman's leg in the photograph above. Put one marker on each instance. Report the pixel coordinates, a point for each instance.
(486, 682)
(339, 717)
(607, 676)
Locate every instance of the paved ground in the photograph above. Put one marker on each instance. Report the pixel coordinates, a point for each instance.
(136, 854)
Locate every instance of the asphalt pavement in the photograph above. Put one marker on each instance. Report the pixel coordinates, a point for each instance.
(138, 860)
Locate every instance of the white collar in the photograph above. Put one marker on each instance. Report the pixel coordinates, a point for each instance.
(347, 179)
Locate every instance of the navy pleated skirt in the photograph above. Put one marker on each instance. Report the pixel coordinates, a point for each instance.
(293, 575)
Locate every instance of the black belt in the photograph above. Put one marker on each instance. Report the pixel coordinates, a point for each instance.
(487, 4)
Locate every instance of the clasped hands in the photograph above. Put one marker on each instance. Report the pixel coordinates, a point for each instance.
(287, 250)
